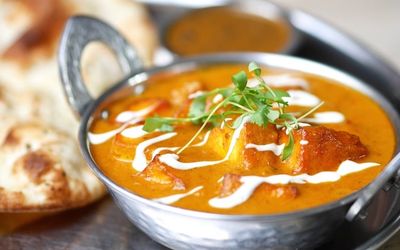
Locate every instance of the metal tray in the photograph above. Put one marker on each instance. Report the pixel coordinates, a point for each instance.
(103, 226)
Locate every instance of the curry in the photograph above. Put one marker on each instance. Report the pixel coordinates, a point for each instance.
(302, 141)
(225, 29)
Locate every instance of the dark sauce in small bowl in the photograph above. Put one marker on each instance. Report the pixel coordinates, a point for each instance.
(227, 29)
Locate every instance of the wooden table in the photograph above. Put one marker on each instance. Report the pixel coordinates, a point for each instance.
(98, 226)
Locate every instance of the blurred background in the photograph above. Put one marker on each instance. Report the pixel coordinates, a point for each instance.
(375, 23)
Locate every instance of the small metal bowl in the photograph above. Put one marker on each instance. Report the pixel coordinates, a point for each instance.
(179, 228)
(260, 8)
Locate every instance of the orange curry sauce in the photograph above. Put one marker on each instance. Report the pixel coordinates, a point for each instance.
(364, 118)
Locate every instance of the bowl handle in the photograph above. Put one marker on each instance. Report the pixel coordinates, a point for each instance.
(365, 196)
(79, 32)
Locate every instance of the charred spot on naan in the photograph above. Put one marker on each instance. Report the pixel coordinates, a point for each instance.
(36, 164)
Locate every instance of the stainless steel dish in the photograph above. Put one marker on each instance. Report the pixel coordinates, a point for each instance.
(185, 229)
(261, 8)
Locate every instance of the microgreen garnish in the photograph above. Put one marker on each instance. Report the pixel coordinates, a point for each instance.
(260, 104)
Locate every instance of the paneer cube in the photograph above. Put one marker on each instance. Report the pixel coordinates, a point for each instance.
(255, 134)
(158, 173)
(318, 148)
(180, 97)
(123, 148)
(143, 103)
(280, 191)
(247, 158)
(142, 107)
(231, 183)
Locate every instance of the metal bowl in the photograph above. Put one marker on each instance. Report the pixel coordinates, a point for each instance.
(179, 228)
(260, 8)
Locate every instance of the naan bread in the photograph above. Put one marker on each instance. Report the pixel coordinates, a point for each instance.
(41, 167)
(42, 170)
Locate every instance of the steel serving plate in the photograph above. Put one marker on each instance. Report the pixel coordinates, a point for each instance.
(185, 229)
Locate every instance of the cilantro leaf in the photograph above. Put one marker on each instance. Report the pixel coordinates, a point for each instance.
(253, 67)
(226, 92)
(157, 123)
(166, 128)
(259, 117)
(288, 116)
(273, 115)
(239, 121)
(277, 95)
(288, 149)
(240, 80)
(198, 106)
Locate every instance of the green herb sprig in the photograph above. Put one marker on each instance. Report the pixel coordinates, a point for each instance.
(260, 104)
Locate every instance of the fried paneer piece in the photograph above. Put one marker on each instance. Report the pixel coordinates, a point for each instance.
(231, 183)
(143, 107)
(158, 173)
(280, 191)
(180, 97)
(247, 158)
(318, 148)
(259, 136)
(123, 148)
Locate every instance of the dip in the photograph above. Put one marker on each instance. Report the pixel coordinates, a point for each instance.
(226, 29)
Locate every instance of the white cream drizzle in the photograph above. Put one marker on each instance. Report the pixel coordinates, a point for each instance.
(204, 141)
(172, 159)
(176, 197)
(217, 98)
(303, 124)
(139, 162)
(301, 98)
(250, 183)
(127, 116)
(279, 81)
(196, 94)
(224, 121)
(134, 132)
(98, 138)
(160, 149)
(200, 144)
(274, 148)
(303, 142)
(326, 117)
